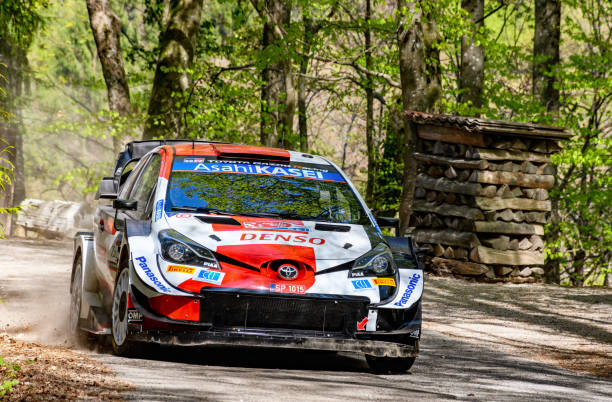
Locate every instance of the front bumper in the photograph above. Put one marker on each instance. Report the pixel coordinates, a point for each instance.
(252, 318)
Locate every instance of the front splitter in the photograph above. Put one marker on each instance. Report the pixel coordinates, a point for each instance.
(255, 339)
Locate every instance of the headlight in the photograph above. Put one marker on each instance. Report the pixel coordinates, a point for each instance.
(180, 249)
(378, 261)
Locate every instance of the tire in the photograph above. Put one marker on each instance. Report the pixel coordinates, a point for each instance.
(76, 297)
(119, 316)
(393, 365)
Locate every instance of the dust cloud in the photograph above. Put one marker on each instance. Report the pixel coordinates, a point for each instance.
(34, 288)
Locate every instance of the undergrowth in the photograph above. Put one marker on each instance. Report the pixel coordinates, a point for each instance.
(8, 374)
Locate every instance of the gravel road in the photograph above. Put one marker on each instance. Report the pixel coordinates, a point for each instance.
(34, 285)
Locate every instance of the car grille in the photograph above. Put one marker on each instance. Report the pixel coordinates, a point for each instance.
(244, 310)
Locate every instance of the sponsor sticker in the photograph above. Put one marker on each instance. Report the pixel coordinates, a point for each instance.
(135, 315)
(276, 225)
(143, 264)
(180, 269)
(287, 237)
(412, 284)
(178, 215)
(284, 171)
(207, 276)
(159, 208)
(370, 283)
(287, 288)
(362, 284)
(384, 281)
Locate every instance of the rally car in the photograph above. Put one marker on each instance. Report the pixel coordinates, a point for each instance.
(198, 243)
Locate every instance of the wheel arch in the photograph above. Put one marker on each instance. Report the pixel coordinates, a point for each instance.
(83, 248)
(124, 258)
(77, 254)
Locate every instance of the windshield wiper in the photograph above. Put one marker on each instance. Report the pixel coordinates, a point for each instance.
(294, 215)
(281, 215)
(260, 214)
(204, 210)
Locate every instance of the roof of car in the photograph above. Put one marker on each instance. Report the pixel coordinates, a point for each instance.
(245, 152)
(137, 149)
(228, 149)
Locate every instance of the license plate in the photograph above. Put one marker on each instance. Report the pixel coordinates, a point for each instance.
(287, 288)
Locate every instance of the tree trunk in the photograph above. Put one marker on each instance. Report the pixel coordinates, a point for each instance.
(546, 52)
(13, 63)
(471, 75)
(106, 29)
(278, 95)
(420, 83)
(546, 39)
(176, 52)
(309, 31)
(369, 90)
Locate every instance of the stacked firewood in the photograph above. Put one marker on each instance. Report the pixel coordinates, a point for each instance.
(481, 196)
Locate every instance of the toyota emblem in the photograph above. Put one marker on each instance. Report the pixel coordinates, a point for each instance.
(288, 272)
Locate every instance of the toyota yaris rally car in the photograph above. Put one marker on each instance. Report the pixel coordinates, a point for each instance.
(198, 243)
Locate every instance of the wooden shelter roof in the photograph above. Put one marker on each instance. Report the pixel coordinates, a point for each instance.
(486, 126)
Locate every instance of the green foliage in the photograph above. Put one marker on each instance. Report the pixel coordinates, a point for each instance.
(20, 19)
(6, 178)
(584, 190)
(7, 380)
(68, 143)
(389, 170)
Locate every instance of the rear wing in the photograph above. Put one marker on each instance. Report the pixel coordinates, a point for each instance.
(135, 150)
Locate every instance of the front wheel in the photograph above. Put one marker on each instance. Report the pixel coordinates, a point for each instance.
(119, 328)
(394, 365)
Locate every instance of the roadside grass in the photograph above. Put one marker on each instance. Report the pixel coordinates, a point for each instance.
(8, 374)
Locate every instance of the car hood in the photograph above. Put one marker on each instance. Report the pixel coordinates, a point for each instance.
(251, 252)
(250, 238)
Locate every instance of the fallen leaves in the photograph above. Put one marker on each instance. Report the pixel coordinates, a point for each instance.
(53, 372)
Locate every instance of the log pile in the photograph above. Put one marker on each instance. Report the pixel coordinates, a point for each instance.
(481, 197)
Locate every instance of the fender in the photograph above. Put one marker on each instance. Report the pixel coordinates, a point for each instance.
(410, 289)
(143, 260)
(91, 300)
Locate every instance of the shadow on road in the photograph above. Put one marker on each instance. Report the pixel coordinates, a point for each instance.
(568, 327)
(446, 369)
(260, 358)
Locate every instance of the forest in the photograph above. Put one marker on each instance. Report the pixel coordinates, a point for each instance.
(80, 78)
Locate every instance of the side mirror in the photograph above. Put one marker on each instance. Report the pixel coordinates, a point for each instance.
(388, 223)
(119, 224)
(126, 205)
(107, 189)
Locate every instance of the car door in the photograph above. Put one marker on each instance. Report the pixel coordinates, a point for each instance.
(144, 189)
(107, 239)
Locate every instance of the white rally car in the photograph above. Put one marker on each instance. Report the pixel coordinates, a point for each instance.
(212, 243)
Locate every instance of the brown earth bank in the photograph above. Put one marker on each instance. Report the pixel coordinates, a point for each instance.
(566, 327)
(52, 372)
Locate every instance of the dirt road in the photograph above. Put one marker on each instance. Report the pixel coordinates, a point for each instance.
(34, 285)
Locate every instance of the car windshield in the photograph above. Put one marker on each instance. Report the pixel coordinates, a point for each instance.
(286, 192)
